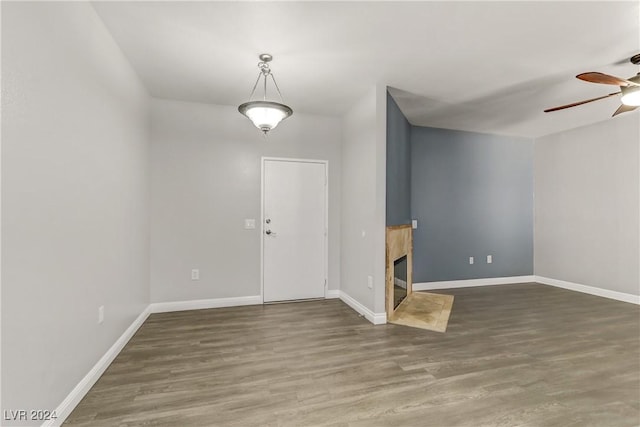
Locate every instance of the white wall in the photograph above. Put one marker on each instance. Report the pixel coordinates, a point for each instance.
(74, 199)
(363, 199)
(587, 205)
(205, 180)
(380, 219)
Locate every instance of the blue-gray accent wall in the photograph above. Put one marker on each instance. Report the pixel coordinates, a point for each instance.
(472, 195)
(398, 165)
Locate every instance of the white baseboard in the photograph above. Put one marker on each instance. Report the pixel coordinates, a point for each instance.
(379, 318)
(450, 284)
(199, 304)
(592, 290)
(375, 318)
(79, 391)
(332, 293)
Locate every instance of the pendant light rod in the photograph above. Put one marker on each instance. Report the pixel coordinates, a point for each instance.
(277, 88)
(254, 87)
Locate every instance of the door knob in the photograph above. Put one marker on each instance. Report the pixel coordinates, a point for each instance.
(268, 232)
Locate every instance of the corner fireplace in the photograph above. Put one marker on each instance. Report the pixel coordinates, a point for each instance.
(399, 266)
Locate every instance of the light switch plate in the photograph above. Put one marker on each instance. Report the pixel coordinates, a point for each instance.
(414, 224)
(249, 224)
(470, 260)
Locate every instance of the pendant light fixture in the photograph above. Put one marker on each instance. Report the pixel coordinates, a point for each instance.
(264, 114)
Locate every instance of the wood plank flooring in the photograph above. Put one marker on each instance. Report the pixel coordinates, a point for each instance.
(513, 355)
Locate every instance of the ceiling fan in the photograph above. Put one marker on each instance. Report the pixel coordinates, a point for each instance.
(629, 88)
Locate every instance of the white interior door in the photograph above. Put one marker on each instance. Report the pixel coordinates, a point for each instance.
(294, 229)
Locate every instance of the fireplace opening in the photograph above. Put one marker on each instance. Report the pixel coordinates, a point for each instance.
(399, 280)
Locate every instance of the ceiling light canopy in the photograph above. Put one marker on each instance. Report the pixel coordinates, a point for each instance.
(265, 115)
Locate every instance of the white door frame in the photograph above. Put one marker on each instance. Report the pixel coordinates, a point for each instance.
(326, 217)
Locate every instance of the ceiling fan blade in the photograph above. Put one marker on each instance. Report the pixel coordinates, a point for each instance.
(605, 79)
(562, 107)
(623, 109)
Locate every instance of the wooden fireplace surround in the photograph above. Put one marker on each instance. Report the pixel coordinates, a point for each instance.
(399, 242)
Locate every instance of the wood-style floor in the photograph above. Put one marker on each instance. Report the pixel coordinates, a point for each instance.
(513, 355)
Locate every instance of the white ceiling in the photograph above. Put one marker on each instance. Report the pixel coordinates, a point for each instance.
(478, 66)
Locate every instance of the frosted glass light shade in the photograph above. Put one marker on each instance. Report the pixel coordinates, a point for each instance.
(265, 115)
(631, 96)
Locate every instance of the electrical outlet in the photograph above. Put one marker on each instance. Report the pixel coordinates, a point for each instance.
(370, 282)
(195, 274)
(470, 260)
(489, 259)
(101, 314)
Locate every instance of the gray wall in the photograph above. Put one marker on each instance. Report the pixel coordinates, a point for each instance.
(587, 205)
(472, 195)
(398, 165)
(75, 232)
(205, 180)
